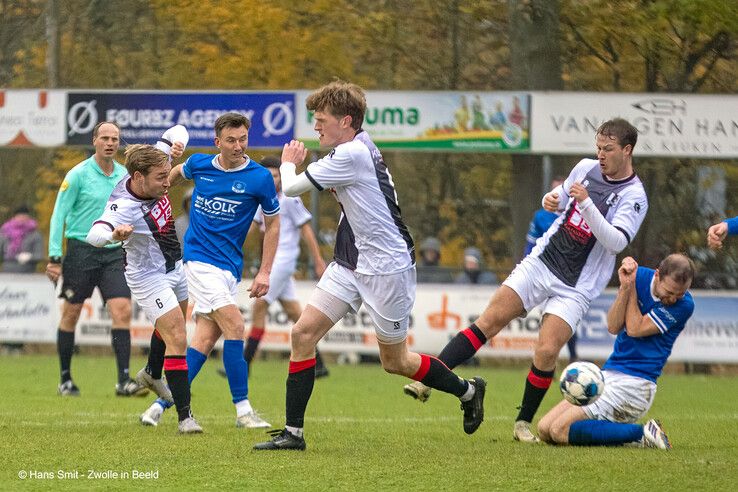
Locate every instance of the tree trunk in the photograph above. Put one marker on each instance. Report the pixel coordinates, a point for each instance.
(535, 61)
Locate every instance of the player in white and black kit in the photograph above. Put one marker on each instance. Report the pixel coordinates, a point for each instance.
(374, 262)
(139, 213)
(603, 204)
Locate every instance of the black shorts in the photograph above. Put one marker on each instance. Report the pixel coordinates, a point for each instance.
(86, 267)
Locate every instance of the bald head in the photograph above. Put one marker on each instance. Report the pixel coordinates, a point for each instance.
(678, 267)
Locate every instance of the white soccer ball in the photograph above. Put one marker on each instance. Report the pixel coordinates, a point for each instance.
(582, 383)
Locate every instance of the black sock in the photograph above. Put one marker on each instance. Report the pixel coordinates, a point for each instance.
(175, 367)
(252, 343)
(121, 339)
(536, 386)
(572, 346)
(155, 363)
(65, 347)
(462, 347)
(435, 374)
(300, 382)
(318, 360)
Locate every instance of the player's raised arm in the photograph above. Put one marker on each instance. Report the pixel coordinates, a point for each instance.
(293, 184)
(617, 312)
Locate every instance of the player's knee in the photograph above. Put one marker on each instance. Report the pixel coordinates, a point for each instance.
(303, 336)
(121, 313)
(543, 430)
(559, 432)
(547, 352)
(70, 315)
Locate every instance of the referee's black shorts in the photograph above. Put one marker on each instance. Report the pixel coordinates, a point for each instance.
(86, 267)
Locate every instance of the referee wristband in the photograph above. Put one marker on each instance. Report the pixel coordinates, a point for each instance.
(55, 260)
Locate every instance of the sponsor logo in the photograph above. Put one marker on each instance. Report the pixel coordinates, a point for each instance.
(160, 212)
(114, 207)
(217, 206)
(637, 207)
(64, 186)
(82, 117)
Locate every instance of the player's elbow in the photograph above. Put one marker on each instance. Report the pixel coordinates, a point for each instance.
(95, 240)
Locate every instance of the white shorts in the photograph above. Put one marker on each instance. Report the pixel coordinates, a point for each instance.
(389, 299)
(281, 285)
(626, 398)
(536, 284)
(210, 287)
(161, 292)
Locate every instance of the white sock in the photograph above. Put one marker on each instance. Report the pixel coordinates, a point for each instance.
(469, 392)
(243, 407)
(295, 431)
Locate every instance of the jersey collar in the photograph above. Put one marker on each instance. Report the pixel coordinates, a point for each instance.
(217, 165)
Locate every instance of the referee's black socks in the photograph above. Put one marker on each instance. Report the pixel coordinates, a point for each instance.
(121, 340)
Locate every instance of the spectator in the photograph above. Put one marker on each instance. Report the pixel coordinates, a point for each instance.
(428, 269)
(473, 273)
(21, 248)
(21, 244)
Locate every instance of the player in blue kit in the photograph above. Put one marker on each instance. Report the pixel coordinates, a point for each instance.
(228, 189)
(649, 312)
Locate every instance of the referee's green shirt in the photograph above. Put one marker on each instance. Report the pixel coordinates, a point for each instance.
(81, 200)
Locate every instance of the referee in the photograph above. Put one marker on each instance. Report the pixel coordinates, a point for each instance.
(81, 199)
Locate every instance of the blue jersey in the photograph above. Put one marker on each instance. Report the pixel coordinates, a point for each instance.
(645, 357)
(542, 220)
(223, 205)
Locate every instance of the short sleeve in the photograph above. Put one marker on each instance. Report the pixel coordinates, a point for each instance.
(667, 317)
(298, 213)
(268, 199)
(187, 168)
(334, 170)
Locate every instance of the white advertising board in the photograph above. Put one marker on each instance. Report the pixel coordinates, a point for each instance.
(669, 125)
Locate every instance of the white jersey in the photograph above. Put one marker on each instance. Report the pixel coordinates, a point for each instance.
(292, 216)
(569, 248)
(153, 246)
(371, 238)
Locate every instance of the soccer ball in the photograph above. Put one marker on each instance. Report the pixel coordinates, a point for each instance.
(582, 383)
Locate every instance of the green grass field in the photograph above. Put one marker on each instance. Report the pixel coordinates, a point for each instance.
(362, 434)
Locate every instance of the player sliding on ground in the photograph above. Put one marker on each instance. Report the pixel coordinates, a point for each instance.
(649, 313)
(374, 262)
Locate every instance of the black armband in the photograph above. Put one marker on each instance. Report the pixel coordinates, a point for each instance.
(55, 260)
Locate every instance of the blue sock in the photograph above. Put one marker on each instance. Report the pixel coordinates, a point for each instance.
(236, 369)
(164, 404)
(603, 433)
(195, 360)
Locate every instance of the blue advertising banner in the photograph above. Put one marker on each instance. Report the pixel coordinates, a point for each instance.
(143, 116)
